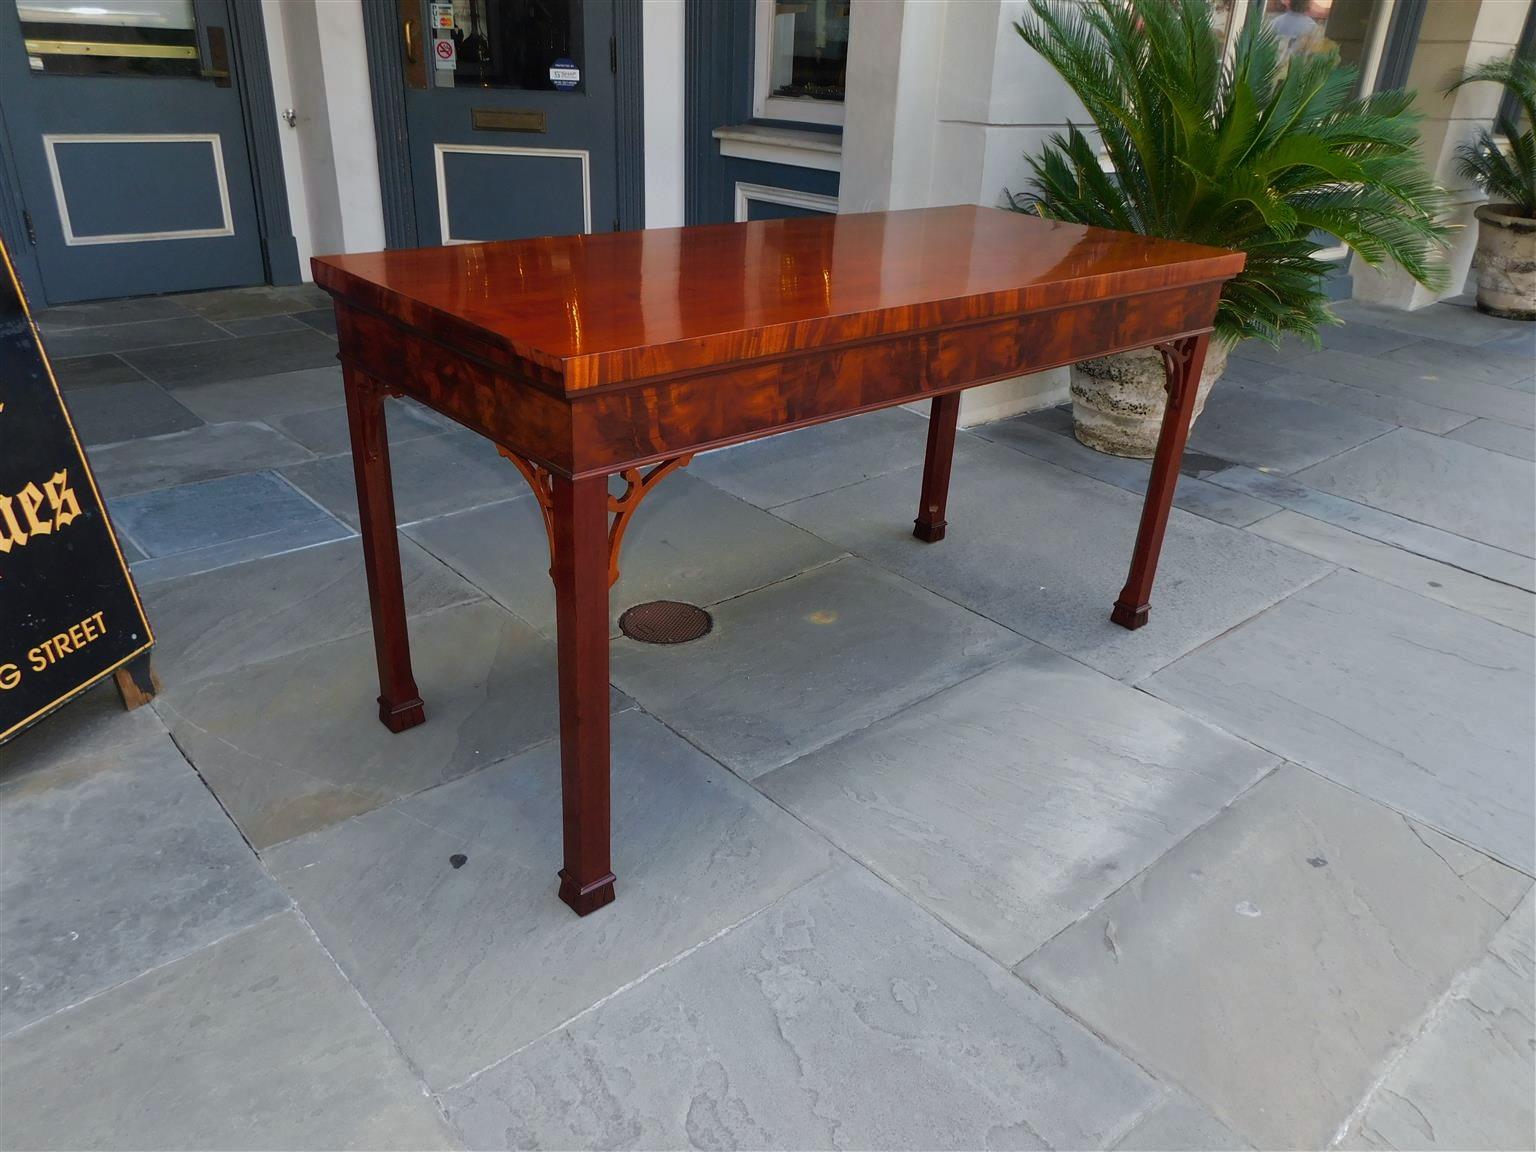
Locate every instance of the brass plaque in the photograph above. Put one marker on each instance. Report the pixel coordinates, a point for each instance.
(507, 120)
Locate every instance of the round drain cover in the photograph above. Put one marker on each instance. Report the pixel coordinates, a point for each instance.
(665, 622)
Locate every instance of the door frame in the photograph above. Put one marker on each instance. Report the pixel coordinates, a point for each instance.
(386, 78)
(253, 83)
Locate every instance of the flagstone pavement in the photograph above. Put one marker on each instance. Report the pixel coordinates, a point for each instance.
(915, 849)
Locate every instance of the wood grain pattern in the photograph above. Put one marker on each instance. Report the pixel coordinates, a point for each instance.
(585, 356)
(579, 312)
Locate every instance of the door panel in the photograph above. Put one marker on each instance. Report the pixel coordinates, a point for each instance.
(129, 146)
(500, 147)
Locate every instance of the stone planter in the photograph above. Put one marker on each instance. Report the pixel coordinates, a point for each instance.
(1506, 263)
(1117, 401)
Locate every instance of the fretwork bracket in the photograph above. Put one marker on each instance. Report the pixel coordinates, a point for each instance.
(638, 483)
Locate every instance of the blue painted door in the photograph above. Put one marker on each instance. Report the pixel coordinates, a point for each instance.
(127, 140)
(511, 118)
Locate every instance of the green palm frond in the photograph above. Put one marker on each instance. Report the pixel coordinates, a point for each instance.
(1257, 153)
(1507, 176)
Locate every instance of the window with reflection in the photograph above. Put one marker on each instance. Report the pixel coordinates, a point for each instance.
(515, 44)
(110, 37)
(808, 50)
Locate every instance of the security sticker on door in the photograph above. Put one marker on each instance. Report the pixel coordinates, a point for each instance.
(442, 16)
(564, 74)
(445, 53)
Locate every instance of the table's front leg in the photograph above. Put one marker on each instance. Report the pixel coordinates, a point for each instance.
(940, 458)
(579, 522)
(1184, 359)
(400, 705)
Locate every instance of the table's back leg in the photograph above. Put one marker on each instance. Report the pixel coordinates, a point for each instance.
(1184, 360)
(579, 520)
(930, 522)
(400, 705)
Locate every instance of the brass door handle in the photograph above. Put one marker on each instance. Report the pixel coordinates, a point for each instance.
(411, 56)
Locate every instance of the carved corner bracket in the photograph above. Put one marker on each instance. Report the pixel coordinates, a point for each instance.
(638, 483)
(1178, 357)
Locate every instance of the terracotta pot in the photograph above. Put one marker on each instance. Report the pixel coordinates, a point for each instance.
(1117, 401)
(1506, 262)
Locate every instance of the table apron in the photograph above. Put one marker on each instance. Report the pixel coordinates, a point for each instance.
(604, 430)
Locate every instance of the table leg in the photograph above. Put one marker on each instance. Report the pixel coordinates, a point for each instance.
(579, 518)
(929, 525)
(400, 705)
(1184, 360)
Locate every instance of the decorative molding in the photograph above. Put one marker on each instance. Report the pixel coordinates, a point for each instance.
(792, 146)
(253, 79)
(439, 150)
(386, 77)
(51, 141)
(638, 483)
(767, 194)
(629, 111)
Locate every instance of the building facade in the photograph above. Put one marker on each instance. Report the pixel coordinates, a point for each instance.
(169, 145)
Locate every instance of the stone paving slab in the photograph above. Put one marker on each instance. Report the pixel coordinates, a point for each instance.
(215, 622)
(1267, 428)
(432, 476)
(99, 313)
(1398, 410)
(1386, 527)
(95, 723)
(466, 965)
(1012, 804)
(1444, 321)
(262, 300)
(1408, 701)
(802, 463)
(1192, 494)
(1178, 1122)
(688, 541)
(109, 413)
(109, 865)
(92, 371)
(204, 453)
(1460, 488)
(295, 744)
(1465, 1081)
(1436, 387)
(198, 527)
(1501, 603)
(842, 1016)
(168, 332)
(260, 397)
(234, 358)
(1438, 359)
(1274, 960)
(1510, 439)
(259, 325)
(324, 431)
(256, 1042)
(1045, 551)
(796, 665)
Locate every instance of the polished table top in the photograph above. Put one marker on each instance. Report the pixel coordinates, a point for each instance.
(593, 310)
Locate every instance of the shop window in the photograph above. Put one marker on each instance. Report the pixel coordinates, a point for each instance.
(110, 37)
(802, 60)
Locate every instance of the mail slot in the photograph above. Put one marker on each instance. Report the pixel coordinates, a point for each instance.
(507, 120)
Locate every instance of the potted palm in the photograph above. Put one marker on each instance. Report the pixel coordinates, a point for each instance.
(1506, 235)
(1272, 156)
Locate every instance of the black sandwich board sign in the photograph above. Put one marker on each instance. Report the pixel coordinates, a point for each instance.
(69, 614)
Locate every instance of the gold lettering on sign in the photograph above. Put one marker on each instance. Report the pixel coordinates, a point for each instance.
(37, 511)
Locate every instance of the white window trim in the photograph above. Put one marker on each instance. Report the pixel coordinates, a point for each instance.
(767, 194)
(766, 107)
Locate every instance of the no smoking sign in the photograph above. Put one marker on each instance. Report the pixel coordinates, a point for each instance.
(447, 53)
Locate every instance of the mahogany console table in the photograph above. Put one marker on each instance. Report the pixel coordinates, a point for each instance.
(585, 356)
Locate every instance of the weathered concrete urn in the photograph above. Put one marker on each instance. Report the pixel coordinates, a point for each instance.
(1506, 262)
(1118, 401)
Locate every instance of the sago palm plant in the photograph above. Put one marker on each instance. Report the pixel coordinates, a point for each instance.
(1253, 153)
(1508, 178)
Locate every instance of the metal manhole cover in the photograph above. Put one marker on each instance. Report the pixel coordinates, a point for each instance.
(665, 622)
